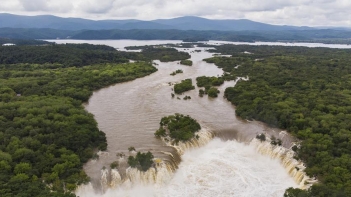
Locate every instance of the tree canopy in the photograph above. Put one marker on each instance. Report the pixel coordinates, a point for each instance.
(178, 127)
(45, 134)
(306, 91)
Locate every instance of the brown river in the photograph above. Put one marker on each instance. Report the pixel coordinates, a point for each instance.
(231, 164)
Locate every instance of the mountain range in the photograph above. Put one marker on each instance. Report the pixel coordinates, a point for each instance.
(181, 23)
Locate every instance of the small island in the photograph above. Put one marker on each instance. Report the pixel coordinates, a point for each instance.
(176, 72)
(208, 82)
(204, 81)
(184, 86)
(186, 62)
(178, 128)
(213, 92)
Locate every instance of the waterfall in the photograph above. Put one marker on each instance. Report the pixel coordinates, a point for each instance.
(294, 167)
(116, 178)
(160, 175)
(204, 136)
(104, 179)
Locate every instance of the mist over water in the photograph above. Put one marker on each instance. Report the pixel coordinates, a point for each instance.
(220, 168)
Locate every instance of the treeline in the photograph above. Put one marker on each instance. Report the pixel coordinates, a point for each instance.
(185, 35)
(164, 54)
(45, 134)
(20, 42)
(66, 54)
(83, 54)
(307, 92)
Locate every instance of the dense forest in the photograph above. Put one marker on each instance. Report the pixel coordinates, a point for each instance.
(164, 54)
(22, 42)
(306, 91)
(84, 54)
(45, 134)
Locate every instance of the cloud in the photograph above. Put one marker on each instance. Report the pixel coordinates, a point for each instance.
(289, 12)
(34, 5)
(93, 6)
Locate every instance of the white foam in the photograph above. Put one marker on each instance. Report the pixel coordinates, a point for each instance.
(217, 169)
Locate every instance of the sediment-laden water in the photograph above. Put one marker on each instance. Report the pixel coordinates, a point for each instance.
(232, 164)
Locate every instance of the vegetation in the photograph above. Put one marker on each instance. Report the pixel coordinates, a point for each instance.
(313, 35)
(161, 53)
(208, 82)
(176, 72)
(142, 161)
(45, 134)
(186, 62)
(114, 165)
(184, 86)
(261, 137)
(213, 92)
(20, 42)
(68, 55)
(130, 149)
(187, 98)
(307, 92)
(178, 127)
(201, 92)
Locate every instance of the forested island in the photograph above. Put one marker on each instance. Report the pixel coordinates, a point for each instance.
(46, 135)
(208, 82)
(186, 62)
(183, 86)
(164, 54)
(305, 91)
(178, 127)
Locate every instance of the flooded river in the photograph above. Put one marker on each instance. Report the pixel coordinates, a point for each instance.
(229, 165)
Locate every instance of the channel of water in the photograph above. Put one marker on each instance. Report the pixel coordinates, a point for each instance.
(229, 165)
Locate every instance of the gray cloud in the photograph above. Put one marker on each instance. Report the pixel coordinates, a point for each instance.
(290, 12)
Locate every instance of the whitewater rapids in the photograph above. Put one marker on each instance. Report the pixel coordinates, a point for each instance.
(220, 168)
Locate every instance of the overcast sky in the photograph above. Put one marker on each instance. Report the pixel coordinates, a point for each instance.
(288, 12)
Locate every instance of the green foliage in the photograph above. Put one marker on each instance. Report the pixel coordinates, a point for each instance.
(305, 91)
(187, 98)
(183, 86)
(114, 165)
(261, 137)
(178, 127)
(77, 83)
(213, 92)
(209, 81)
(45, 134)
(130, 149)
(20, 42)
(176, 72)
(66, 54)
(161, 132)
(201, 92)
(142, 161)
(276, 142)
(294, 192)
(186, 62)
(161, 53)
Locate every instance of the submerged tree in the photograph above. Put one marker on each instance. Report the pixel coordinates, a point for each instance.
(142, 161)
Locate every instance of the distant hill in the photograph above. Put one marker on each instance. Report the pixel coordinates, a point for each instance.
(181, 23)
(315, 35)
